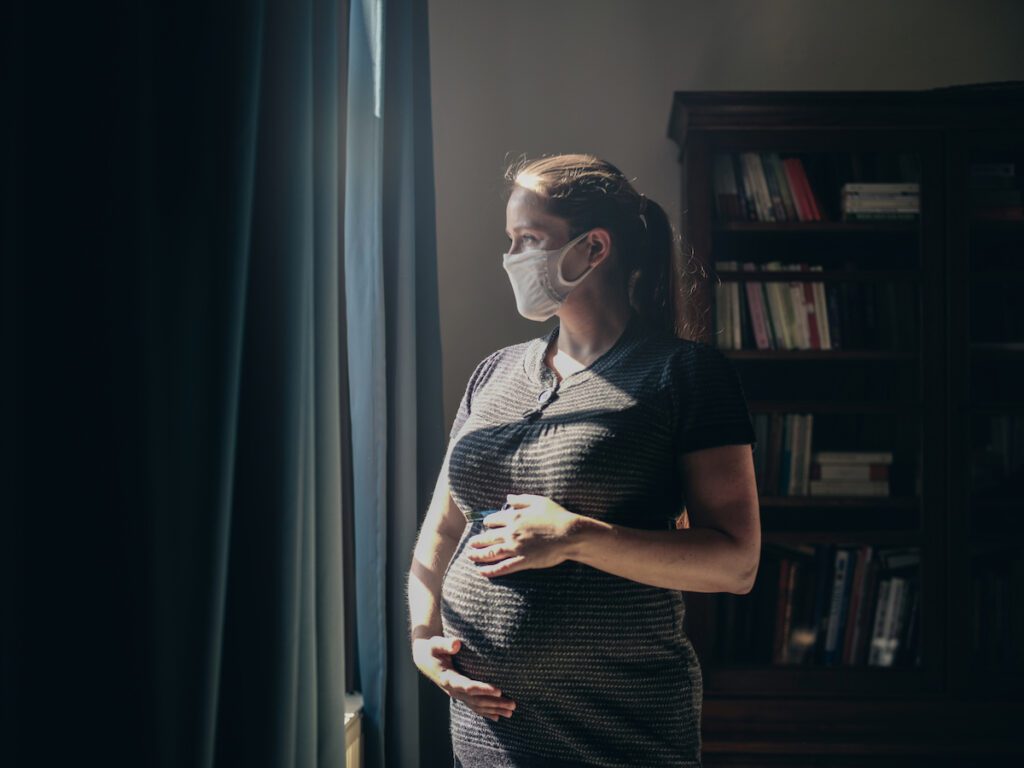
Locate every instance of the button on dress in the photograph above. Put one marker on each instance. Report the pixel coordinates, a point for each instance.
(600, 667)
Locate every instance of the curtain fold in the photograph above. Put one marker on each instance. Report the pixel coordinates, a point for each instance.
(395, 367)
(244, 174)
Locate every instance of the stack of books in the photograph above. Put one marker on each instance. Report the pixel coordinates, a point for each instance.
(863, 200)
(753, 186)
(996, 192)
(830, 605)
(850, 473)
(782, 466)
(810, 314)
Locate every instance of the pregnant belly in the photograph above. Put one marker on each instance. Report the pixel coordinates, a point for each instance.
(557, 623)
(509, 625)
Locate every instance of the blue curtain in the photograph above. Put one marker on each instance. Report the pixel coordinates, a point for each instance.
(394, 364)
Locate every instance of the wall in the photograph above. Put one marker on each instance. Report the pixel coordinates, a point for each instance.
(546, 76)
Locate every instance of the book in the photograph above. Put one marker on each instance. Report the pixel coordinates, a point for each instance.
(837, 606)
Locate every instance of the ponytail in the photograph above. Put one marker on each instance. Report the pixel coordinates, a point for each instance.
(663, 304)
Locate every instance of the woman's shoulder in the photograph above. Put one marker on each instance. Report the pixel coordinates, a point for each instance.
(690, 364)
(497, 361)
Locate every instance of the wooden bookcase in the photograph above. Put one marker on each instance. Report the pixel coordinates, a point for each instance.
(942, 401)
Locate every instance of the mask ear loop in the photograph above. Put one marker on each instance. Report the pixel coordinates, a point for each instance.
(568, 246)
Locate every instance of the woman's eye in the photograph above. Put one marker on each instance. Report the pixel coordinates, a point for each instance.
(524, 237)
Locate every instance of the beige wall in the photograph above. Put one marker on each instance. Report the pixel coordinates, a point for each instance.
(543, 76)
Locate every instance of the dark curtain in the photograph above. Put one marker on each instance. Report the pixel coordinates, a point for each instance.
(173, 409)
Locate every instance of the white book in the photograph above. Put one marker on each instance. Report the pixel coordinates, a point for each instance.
(853, 457)
(909, 187)
(849, 488)
(877, 644)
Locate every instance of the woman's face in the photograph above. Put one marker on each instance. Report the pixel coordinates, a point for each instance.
(528, 228)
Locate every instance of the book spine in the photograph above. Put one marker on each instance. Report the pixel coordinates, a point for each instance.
(749, 210)
(824, 559)
(796, 459)
(761, 185)
(821, 314)
(876, 648)
(750, 182)
(856, 600)
(839, 580)
(803, 211)
(808, 191)
(814, 338)
(784, 189)
(756, 304)
(774, 192)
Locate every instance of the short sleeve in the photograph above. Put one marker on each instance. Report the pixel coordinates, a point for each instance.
(465, 405)
(710, 405)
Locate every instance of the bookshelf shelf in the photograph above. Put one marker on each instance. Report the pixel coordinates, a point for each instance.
(819, 354)
(880, 538)
(840, 502)
(845, 276)
(928, 372)
(817, 406)
(796, 680)
(838, 227)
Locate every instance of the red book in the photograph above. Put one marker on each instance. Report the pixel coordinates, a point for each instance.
(803, 211)
(809, 306)
(805, 188)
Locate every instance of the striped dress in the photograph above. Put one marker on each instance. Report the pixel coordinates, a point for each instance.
(599, 666)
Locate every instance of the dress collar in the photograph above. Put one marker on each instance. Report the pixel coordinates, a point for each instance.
(539, 372)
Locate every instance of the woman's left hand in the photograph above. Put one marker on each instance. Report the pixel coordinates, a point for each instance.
(536, 532)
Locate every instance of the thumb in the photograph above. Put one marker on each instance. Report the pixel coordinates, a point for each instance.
(450, 644)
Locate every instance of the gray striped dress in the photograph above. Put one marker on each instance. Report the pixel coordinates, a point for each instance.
(599, 666)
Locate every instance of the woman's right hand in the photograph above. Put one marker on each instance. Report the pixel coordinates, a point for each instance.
(433, 657)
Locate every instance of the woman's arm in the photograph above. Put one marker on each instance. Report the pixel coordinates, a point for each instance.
(721, 550)
(438, 538)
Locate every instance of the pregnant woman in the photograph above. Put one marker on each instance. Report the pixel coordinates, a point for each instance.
(545, 589)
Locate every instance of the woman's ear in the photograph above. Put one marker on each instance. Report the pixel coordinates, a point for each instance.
(600, 243)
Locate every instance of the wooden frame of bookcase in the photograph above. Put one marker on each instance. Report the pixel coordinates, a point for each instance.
(851, 710)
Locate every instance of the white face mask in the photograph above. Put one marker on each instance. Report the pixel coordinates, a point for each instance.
(537, 280)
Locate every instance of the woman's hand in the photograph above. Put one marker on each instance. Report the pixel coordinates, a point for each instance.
(536, 532)
(432, 656)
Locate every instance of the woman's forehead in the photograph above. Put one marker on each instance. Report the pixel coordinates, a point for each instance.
(525, 210)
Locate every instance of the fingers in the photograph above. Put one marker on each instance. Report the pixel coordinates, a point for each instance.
(490, 554)
(490, 707)
(480, 541)
(483, 698)
(508, 565)
(455, 683)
